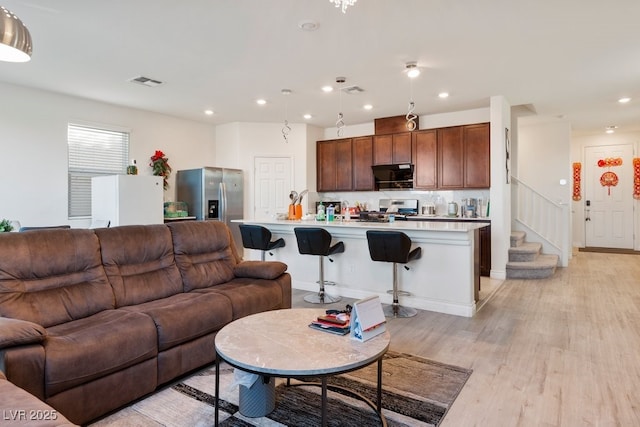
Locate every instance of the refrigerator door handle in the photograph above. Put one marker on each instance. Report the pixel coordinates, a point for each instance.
(223, 202)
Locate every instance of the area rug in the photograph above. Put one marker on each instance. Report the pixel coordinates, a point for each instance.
(416, 392)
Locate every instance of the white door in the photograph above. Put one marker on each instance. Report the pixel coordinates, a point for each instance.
(609, 196)
(272, 186)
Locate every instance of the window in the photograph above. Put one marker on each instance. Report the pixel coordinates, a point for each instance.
(92, 152)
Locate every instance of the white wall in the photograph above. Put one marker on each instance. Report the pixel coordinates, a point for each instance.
(33, 143)
(578, 145)
(238, 144)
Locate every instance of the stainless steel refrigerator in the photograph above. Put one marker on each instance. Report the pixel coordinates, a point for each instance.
(213, 194)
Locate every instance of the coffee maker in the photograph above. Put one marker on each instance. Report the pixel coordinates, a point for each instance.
(470, 207)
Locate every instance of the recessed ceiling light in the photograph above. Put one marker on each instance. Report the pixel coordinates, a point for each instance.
(208, 112)
(367, 107)
(611, 129)
(327, 89)
(308, 25)
(443, 95)
(307, 116)
(261, 101)
(624, 100)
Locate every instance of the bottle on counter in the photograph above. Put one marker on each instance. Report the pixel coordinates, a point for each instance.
(331, 212)
(320, 213)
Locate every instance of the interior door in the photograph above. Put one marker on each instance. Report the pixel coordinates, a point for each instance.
(609, 196)
(272, 179)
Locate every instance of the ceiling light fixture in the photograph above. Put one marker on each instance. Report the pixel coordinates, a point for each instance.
(611, 129)
(15, 40)
(261, 101)
(286, 129)
(208, 112)
(368, 107)
(343, 4)
(308, 25)
(412, 70)
(340, 121)
(624, 100)
(327, 89)
(307, 116)
(443, 95)
(411, 116)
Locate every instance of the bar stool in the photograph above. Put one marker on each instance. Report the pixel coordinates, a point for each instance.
(395, 247)
(317, 241)
(259, 237)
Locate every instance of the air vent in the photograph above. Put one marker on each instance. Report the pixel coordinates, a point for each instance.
(146, 81)
(353, 90)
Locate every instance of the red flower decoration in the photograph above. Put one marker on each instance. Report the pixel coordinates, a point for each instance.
(160, 165)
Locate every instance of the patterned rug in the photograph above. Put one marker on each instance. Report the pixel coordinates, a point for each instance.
(416, 392)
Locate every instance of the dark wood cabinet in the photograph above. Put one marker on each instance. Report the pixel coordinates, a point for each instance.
(450, 158)
(485, 251)
(477, 167)
(334, 165)
(362, 149)
(392, 148)
(425, 159)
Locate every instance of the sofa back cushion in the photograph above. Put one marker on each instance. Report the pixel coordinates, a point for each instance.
(139, 263)
(204, 253)
(52, 276)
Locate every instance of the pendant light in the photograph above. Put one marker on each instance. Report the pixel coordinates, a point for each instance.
(15, 40)
(286, 129)
(340, 121)
(412, 72)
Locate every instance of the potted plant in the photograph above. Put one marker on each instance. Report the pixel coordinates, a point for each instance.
(160, 166)
(5, 226)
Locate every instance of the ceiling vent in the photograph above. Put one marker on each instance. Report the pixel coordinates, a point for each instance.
(146, 81)
(353, 90)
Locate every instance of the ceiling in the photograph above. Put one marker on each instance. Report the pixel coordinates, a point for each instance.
(569, 60)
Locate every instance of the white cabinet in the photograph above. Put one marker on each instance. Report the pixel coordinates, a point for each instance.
(127, 199)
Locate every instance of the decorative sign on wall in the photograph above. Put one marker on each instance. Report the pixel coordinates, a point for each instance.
(576, 181)
(609, 179)
(636, 178)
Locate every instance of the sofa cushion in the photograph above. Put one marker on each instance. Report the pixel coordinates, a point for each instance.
(139, 263)
(204, 254)
(184, 317)
(260, 269)
(249, 296)
(53, 276)
(85, 349)
(18, 332)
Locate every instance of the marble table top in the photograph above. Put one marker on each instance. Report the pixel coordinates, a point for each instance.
(280, 343)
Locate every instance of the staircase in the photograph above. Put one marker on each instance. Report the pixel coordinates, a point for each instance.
(526, 261)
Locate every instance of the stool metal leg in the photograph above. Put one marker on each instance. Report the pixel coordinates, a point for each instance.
(395, 309)
(321, 297)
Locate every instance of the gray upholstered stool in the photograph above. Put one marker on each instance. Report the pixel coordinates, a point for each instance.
(317, 241)
(259, 237)
(395, 247)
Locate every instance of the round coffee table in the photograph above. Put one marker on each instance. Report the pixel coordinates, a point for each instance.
(280, 344)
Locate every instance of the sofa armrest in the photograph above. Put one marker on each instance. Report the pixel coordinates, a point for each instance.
(15, 332)
(260, 269)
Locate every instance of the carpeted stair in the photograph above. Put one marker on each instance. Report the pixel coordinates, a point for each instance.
(526, 261)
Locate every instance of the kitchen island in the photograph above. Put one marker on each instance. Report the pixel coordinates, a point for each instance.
(445, 279)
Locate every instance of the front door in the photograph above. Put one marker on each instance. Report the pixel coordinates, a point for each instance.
(609, 196)
(272, 186)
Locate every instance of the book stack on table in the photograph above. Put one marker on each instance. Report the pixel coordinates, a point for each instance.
(336, 323)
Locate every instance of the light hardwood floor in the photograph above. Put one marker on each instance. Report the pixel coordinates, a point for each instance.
(563, 351)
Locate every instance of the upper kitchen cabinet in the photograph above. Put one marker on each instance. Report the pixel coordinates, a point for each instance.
(477, 167)
(392, 148)
(463, 157)
(334, 165)
(450, 157)
(362, 149)
(425, 159)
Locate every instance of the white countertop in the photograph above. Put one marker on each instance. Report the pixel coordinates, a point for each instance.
(460, 226)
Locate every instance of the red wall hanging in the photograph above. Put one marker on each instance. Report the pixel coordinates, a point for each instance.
(609, 179)
(576, 181)
(636, 178)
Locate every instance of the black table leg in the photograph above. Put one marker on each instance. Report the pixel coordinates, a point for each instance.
(380, 385)
(217, 398)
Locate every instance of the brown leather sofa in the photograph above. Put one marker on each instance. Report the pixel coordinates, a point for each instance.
(91, 320)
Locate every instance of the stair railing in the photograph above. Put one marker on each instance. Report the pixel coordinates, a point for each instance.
(548, 219)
